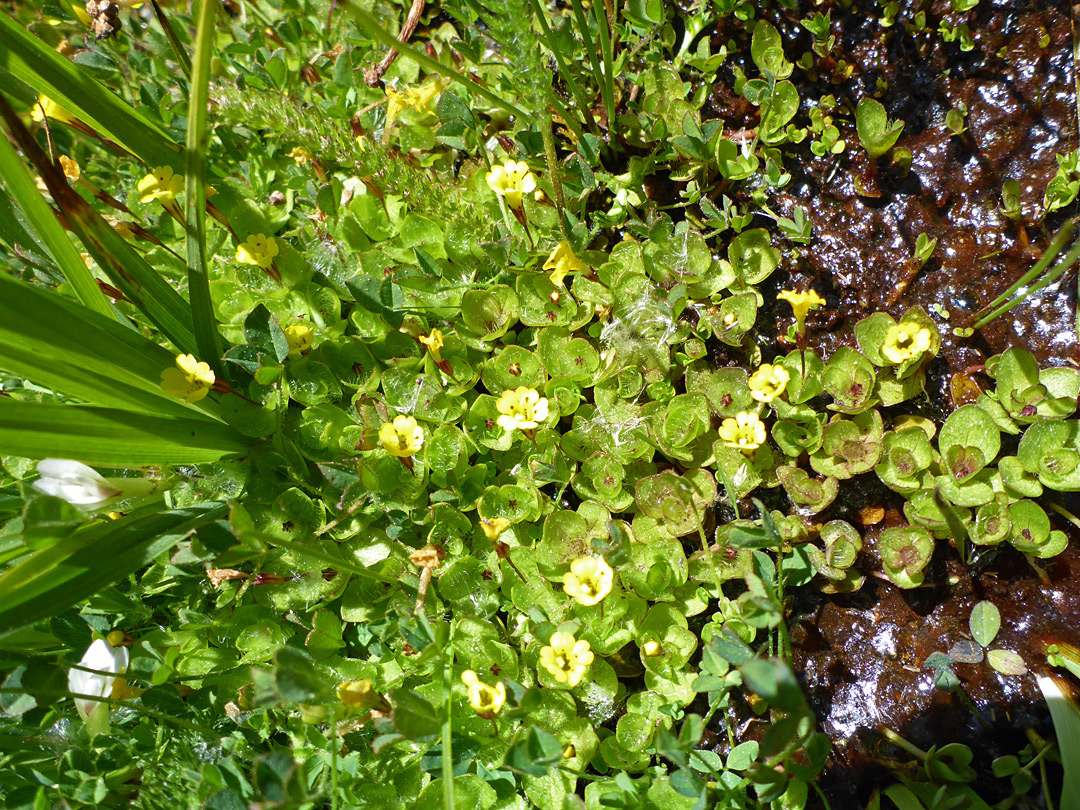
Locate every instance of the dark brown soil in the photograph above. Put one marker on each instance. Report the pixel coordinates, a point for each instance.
(862, 655)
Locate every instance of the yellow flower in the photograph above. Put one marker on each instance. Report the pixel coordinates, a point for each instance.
(259, 249)
(189, 380)
(801, 303)
(511, 181)
(521, 408)
(47, 108)
(161, 184)
(359, 694)
(745, 432)
(300, 337)
(589, 580)
(768, 382)
(651, 648)
(566, 658)
(402, 437)
(904, 341)
(419, 98)
(486, 700)
(433, 342)
(494, 528)
(72, 170)
(422, 96)
(301, 155)
(562, 261)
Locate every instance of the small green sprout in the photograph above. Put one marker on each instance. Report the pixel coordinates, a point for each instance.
(877, 133)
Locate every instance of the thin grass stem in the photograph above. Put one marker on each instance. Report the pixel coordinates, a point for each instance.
(594, 61)
(1046, 280)
(1055, 247)
(204, 324)
(571, 82)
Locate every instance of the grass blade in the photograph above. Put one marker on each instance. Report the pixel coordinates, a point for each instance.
(62, 346)
(174, 40)
(30, 61)
(108, 437)
(571, 82)
(136, 279)
(202, 306)
(1066, 716)
(52, 236)
(90, 560)
(594, 62)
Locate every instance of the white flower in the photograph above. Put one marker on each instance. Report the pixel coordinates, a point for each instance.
(82, 486)
(103, 656)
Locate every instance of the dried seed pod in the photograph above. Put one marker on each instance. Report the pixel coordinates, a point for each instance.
(104, 18)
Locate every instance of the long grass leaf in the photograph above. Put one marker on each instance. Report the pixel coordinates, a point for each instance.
(29, 60)
(110, 437)
(564, 72)
(90, 560)
(60, 345)
(1066, 716)
(136, 279)
(174, 40)
(202, 306)
(51, 234)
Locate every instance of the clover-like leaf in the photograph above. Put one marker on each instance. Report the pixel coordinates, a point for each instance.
(811, 493)
(849, 378)
(905, 551)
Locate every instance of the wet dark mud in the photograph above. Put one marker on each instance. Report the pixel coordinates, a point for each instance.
(861, 655)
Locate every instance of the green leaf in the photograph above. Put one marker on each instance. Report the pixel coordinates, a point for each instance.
(775, 682)
(126, 268)
(91, 559)
(48, 519)
(20, 184)
(415, 718)
(202, 306)
(1006, 662)
(70, 349)
(985, 622)
(28, 59)
(295, 677)
(876, 131)
(108, 437)
(767, 51)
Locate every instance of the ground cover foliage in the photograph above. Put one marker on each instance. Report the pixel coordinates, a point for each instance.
(460, 435)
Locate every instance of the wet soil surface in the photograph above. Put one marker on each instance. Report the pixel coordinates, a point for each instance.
(861, 655)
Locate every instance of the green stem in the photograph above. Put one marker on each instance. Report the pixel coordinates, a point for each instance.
(555, 174)
(594, 62)
(900, 742)
(607, 46)
(447, 738)
(204, 323)
(571, 82)
(1004, 302)
(333, 765)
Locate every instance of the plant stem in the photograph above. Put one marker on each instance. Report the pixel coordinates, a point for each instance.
(447, 739)
(571, 82)
(204, 323)
(555, 173)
